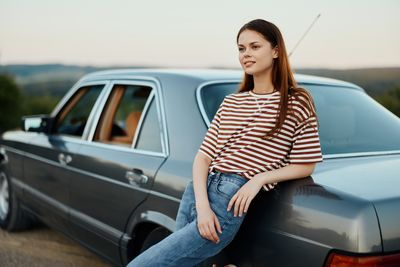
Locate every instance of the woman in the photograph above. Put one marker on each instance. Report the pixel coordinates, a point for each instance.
(263, 134)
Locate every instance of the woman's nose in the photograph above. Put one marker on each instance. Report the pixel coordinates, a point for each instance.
(246, 53)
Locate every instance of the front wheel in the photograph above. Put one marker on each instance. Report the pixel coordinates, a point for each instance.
(12, 217)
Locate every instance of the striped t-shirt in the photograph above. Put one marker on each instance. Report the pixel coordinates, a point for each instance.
(233, 141)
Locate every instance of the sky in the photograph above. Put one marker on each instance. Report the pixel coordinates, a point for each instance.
(187, 33)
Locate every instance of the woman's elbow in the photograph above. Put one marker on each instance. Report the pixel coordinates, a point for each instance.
(307, 168)
(203, 158)
(310, 167)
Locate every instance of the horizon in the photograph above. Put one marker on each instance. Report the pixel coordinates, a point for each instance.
(183, 67)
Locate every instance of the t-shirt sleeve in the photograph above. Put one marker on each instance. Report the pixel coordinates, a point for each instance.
(209, 144)
(306, 146)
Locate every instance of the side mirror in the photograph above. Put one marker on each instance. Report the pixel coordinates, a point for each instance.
(37, 123)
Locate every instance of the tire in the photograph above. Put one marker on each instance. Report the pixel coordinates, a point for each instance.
(12, 217)
(154, 237)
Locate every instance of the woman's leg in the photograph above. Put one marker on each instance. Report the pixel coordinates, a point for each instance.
(186, 214)
(186, 247)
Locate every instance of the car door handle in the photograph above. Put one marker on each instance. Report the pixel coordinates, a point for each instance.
(136, 176)
(64, 159)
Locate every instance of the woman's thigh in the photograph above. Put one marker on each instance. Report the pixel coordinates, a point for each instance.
(187, 207)
(221, 190)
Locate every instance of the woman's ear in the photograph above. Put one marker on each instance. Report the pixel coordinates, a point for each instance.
(275, 52)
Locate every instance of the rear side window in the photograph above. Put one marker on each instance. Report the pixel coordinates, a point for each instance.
(120, 119)
(72, 119)
(149, 137)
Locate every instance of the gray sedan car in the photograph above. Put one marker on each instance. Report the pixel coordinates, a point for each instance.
(109, 165)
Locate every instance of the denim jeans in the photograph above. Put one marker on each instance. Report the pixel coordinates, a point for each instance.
(185, 246)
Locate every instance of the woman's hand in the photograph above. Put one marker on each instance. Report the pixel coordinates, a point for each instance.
(208, 224)
(243, 197)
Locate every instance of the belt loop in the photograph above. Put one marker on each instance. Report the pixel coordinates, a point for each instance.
(212, 172)
(218, 175)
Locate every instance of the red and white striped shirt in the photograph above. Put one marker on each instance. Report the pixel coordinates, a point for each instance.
(233, 141)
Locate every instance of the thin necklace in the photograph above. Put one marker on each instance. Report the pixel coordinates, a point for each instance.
(258, 104)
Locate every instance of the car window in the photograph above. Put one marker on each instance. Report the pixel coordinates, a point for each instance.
(149, 137)
(121, 116)
(350, 121)
(213, 95)
(73, 117)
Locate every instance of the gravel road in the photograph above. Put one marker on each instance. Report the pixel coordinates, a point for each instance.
(43, 247)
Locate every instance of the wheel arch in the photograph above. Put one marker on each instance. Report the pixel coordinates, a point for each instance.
(139, 227)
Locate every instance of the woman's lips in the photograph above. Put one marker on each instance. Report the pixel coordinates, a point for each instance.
(249, 63)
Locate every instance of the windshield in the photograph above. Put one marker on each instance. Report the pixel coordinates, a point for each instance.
(349, 120)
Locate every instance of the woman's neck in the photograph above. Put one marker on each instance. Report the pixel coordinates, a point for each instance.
(263, 83)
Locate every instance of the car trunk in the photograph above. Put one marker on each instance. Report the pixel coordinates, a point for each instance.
(373, 178)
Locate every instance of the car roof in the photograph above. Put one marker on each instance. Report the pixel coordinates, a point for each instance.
(205, 75)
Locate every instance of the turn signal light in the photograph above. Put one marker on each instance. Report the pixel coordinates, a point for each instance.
(338, 260)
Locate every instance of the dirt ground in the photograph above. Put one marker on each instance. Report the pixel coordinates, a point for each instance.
(43, 247)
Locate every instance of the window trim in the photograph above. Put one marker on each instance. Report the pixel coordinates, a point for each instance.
(155, 91)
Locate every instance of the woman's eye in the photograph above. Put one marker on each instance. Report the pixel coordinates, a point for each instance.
(256, 47)
(241, 49)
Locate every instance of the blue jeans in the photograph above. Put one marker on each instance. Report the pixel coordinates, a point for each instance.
(185, 246)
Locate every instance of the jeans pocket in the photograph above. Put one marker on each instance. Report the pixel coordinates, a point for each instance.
(227, 188)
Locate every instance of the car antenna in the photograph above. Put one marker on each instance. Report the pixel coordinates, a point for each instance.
(302, 37)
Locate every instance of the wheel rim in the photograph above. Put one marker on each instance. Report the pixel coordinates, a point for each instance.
(4, 197)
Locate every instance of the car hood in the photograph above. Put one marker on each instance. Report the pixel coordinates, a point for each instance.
(375, 179)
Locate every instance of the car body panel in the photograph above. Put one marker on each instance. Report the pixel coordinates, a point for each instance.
(388, 212)
(103, 195)
(363, 178)
(348, 174)
(13, 146)
(47, 180)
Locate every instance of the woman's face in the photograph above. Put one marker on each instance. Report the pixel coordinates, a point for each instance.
(256, 54)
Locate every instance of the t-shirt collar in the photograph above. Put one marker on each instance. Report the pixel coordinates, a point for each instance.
(263, 95)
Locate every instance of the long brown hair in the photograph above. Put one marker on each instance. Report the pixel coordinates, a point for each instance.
(282, 75)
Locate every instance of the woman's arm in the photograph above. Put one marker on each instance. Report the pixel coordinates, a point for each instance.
(200, 173)
(207, 221)
(242, 199)
(289, 172)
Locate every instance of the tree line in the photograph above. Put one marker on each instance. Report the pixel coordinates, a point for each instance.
(15, 103)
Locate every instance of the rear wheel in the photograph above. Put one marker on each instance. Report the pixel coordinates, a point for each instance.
(154, 237)
(12, 217)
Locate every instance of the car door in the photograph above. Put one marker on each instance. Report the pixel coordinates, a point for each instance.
(117, 165)
(49, 160)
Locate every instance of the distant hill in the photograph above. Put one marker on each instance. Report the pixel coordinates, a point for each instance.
(56, 79)
(375, 81)
(50, 79)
